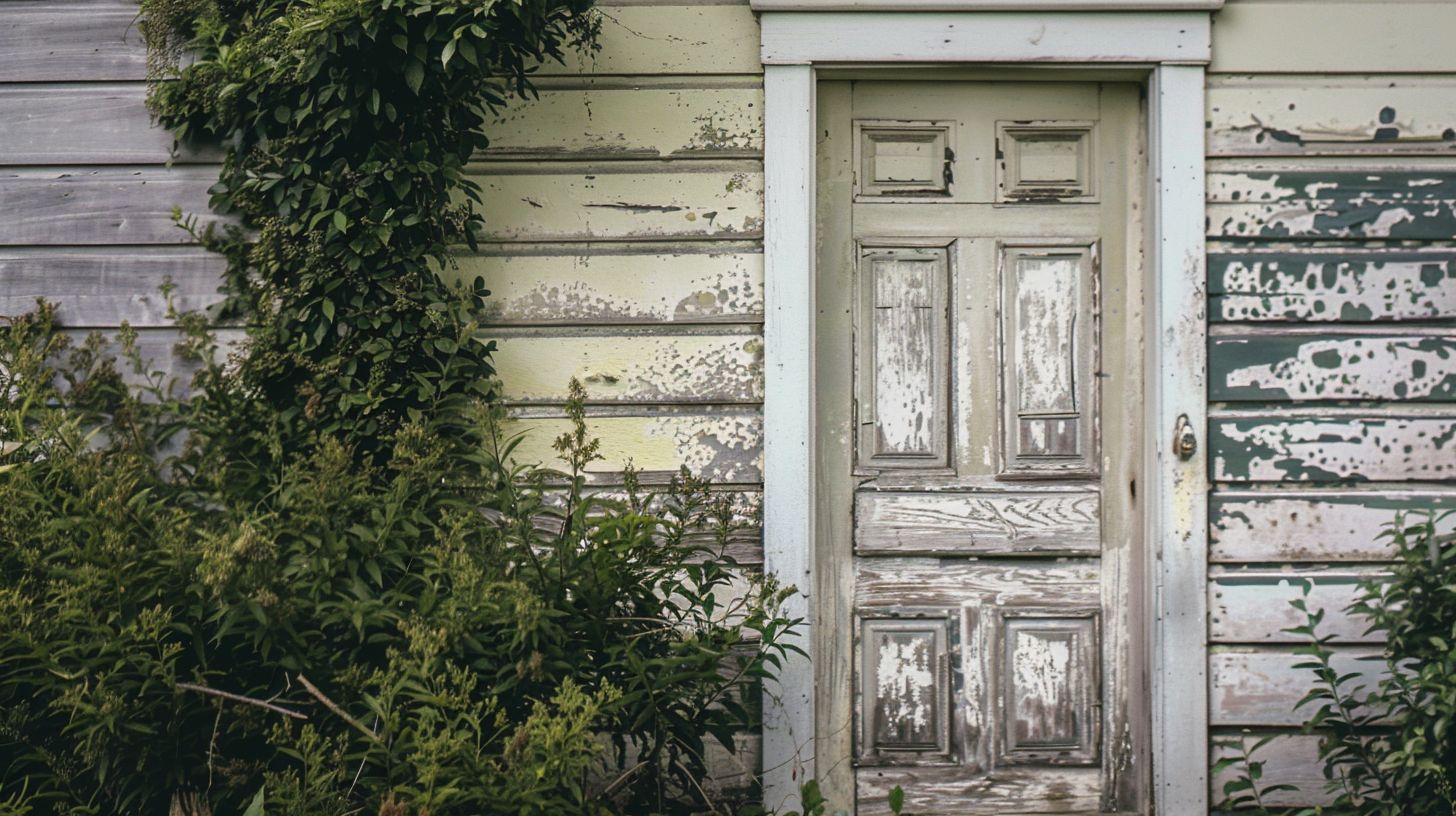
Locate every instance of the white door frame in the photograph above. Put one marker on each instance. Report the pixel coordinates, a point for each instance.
(1172, 47)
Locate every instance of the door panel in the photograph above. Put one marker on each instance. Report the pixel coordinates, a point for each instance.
(979, 366)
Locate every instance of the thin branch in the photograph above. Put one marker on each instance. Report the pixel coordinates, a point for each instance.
(334, 707)
(238, 698)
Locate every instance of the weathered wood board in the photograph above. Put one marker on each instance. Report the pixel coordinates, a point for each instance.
(105, 286)
(626, 365)
(1326, 285)
(553, 201)
(1266, 202)
(1003, 791)
(104, 205)
(633, 118)
(100, 123)
(52, 41)
(1322, 115)
(1289, 759)
(1259, 686)
(1333, 448)
(725, 446)
(1331, 36)
(936, 583)
(58, 40)
(909, 523)
(1253, 606)
(694, 283)
(1314, 526)
(1266, 366)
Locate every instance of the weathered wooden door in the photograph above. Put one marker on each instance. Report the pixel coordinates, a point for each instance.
(979, 358)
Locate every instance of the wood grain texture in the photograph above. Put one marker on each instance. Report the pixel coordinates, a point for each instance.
(725, 446)
(1278, 367)
(932, 582)
(1251, 686)
(1288, 759)
(100, 123)
(621, 200)
(110, 205)
(1004, 791)
(981, 523)
(1323, 115)
(106, 286)
(1326, 285)
(1291, 36)
(1314, 526)
(1333, 203)
(631, 121)
(640, 285)
(1333, 448)
(631, 366)
(51, 41)
(1254, 606)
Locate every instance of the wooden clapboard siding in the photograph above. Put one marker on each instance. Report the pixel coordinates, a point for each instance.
(56, 41)
(1352, 284)
(86, 123)
(1322, 115)
(100, 206)
(99, 287)
(723, 445)
(1332, 36)
(1332, 294)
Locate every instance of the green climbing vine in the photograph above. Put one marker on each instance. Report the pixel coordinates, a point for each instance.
(313, 581)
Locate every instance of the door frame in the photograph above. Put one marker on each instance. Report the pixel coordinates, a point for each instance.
(1168, 50)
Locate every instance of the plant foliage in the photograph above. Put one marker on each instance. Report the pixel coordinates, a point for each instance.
(315, 581)
(1387, 749)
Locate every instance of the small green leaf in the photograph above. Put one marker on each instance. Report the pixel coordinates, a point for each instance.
(414, 75)
(341, 222)
(255, 807)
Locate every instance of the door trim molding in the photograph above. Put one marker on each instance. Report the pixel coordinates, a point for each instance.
(1170, 50)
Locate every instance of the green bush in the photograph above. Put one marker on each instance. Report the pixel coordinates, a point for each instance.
(1391, 749)
(313, 581)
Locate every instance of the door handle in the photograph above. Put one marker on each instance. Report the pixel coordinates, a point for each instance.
(1185, 442)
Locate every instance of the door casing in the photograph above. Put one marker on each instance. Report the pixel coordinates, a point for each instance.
(1164, 51)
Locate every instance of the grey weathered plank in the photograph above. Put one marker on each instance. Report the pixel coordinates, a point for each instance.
(555, 201)
(48, 41)
(931, 582)
(1269, 366)
(84, 124)
(1288, 759)
(631, 365)
(105, 287)
(1003, 791)
(1299, 37)
(1314, 526)
(1333, 448)
(1252, 686)
(1323, 115)
(1254, 606)
(705, 283)
(104, 205)
(980, 523)
(1312, 284)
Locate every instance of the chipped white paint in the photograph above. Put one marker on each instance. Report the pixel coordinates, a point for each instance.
(1315, 526)
(1324, 449)
(915, 522)
(1359, 367)
(904, 390)
(904, 687)
(1041, 671)
(1355, 285)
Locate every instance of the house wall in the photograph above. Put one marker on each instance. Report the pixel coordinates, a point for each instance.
(1332, 352)
(623, 245)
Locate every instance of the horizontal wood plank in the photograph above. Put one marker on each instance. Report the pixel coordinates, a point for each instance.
(1315, 526)
(1002, 791)
(621, 201)
(933, 582)
(1333, 448)
(1250, 686)
(1331, 203)
(93, 206)
(631, 366)
(104, 287)
(1267, 366)
(48, 41)
(623, 121)
(982, 523)
(1287, 759)
(1255, 606)
(1331, 36)
(1324, 285)
(721, 446)
(1324, 115)
(103, 123)
(682, 284)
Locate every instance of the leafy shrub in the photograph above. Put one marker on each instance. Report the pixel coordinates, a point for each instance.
(313, 582)
(1391, 749)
